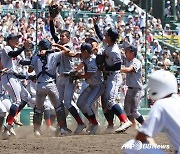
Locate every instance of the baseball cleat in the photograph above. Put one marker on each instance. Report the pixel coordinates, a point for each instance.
(64, 131)
(5, 135)
(37, 133)
(69, 131)
(89, 127)
(110, 127)
(124, 126)
(17, 122)
(52, 129)
(79, 129)
(94, 129)
(10, 129)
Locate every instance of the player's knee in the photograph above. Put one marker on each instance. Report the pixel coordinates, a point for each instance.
(136, 114)
(13, 109)
(37, 117)
(60, 108)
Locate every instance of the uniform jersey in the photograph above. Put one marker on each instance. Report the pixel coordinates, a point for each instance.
(113, 55)
(66, 63)
(52, 60)
(8, 62)
(134, 79)
(164, 115)
(90, 65)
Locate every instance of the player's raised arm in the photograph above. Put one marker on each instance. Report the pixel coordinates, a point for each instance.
(97, 29)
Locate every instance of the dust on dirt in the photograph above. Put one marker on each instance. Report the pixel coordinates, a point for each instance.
(103, 143)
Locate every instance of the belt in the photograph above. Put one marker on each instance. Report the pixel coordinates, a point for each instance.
(134, 88)
(64, 75)
(111, 73)
(46, 82)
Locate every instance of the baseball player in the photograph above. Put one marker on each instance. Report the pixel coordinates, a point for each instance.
(95, 88)
(133, 70)
(113, 78)
(5, 104)
(15, 89)
(164, 114)
(45, 65)
(48, 108)
(66, 89)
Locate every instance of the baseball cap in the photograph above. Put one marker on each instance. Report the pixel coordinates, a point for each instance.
(113, 33)
(87, 46)
(44, 44)
(131, 48)
(12, 36)
(89, 39)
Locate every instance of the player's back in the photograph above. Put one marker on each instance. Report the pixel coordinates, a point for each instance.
(170, 115)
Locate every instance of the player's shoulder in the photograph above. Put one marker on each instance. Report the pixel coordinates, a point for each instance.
(137, 61)
(116, 48)
(168, 102)
(7, 48)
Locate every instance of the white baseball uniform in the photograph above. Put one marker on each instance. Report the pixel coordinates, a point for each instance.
(164, 115)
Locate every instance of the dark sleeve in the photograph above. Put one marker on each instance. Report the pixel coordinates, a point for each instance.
(25, 62)
(52, 30)
(16, 53)
(20, 76)
(115, 67)
(98, 32)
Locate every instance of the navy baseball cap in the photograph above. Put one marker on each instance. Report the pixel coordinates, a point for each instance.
(89, 39)
(12, 36)
(44, 44)
(131, 48)
(87, 46)
(113, 33)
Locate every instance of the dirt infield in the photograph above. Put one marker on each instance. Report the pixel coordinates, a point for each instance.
(26, 143)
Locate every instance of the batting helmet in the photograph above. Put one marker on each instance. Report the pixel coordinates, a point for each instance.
(113, 33)
(161, 84)
(44, 44)
(87, 46)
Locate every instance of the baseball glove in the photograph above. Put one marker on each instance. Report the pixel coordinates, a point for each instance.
(32, 77)
(53, 10)
(100, 61)
(73, 76)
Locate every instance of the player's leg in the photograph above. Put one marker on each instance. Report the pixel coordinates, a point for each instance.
(59, 108)
(135, 105)
(25, 96)
(13, 87)
(3, 111)
(47, 115)
(111, 91)
(82, 101)
(128, 106)
(94, 94)
(68, 95)
(108, 113)
(38, 109)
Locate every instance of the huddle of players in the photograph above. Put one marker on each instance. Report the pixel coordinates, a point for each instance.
(53, 69)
